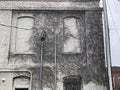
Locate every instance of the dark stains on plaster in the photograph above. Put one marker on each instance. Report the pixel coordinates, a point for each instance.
(89, 63)
(94, 46)
(47, 77)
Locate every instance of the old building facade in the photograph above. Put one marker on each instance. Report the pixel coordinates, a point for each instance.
(51, 45)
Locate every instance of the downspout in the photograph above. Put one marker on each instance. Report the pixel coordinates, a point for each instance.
(55, 62)
(107, 45)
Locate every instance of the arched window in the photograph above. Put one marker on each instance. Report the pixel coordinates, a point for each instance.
(21, 83)
(71, 35)
(23, 34)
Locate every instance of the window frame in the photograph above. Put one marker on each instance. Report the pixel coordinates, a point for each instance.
(69, 80)
(76, 17)
(13, 38)
(119, 81)
(113, 79)
(24, 86)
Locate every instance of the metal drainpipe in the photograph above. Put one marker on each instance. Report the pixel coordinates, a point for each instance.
(55, 63)
(107, 45)
(41, 64)
(42, 38)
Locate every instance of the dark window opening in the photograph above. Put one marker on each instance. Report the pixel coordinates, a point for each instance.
(72, 83)
(21, 88)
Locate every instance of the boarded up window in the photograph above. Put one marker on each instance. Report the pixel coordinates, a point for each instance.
(24, 31)
(72, 83)
(71, 35)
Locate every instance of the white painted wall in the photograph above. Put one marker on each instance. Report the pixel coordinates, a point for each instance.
(5, 18)
(93, 86)
(6, 81)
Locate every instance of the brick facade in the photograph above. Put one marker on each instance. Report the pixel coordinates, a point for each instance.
(116, 77)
